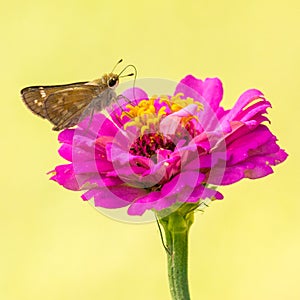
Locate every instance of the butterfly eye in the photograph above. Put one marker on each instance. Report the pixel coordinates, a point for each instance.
(112, 82)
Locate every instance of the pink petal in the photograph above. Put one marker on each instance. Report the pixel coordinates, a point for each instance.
(238, 149)
(66, 136)
(246, 98)
(135, 94)
(210, 89)
(65, 176)
(113, 197)
(65, 151)
(254, 110)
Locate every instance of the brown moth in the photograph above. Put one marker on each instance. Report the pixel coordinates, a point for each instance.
(63, 105)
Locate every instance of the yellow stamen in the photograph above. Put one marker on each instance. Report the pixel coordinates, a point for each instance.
(147, 117)
(176, 103)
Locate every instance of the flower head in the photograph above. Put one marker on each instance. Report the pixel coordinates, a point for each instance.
(162, 151)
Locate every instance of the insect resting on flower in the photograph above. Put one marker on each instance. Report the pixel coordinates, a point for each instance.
(63, 105)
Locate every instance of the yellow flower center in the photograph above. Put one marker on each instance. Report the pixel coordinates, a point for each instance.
(147, 116)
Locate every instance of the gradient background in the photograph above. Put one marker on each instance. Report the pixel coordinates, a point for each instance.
(55, 246)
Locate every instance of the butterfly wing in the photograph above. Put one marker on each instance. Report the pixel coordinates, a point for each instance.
(35, 96)
(64, 108)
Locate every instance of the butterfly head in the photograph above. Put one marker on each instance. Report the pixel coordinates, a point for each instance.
(111, 80)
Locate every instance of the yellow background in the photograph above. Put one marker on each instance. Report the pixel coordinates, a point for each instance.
(55, 246)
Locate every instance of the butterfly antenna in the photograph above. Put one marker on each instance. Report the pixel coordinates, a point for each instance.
(129, 66)
(116, 65)
(131, 74)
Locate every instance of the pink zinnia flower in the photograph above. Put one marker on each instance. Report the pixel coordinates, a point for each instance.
(160, 152)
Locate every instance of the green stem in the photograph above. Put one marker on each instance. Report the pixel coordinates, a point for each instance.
(176, 227)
